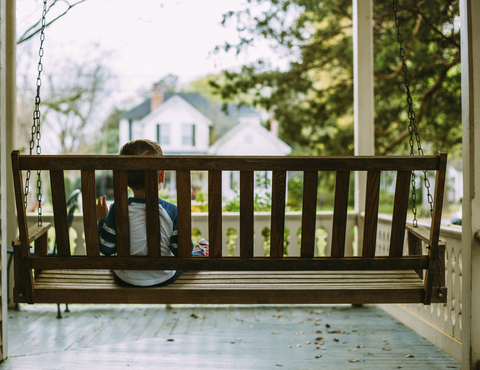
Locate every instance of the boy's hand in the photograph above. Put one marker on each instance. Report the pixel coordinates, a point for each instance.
(102, 209)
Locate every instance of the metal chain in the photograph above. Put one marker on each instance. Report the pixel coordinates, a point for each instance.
(413, 126)
(36, 135)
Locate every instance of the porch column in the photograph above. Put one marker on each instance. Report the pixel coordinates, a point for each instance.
(7, 118)
(362, 98)
(470, 57)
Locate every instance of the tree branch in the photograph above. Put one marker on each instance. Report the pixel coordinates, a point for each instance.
(26, 36)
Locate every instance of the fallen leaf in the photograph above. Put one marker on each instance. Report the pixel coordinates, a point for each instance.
(317, 319)
(238, 339)
(360, 346)
(361, 334)
(308, 342)
(278, 365)
(400, 323)
(388, 349)
(170, 340)
(353, 360)
(277, 316)
(319, 332)
(409, 356)
(318, 356)
(352, 350)
(299, 345)
(327, 325)
(319, 339)
(335, 339)
(196, 316)
(336, 332)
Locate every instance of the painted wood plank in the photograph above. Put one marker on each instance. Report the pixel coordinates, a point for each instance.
(277, 228)
(371, 214)
(215, 213)
(122, 225)
(399, 218)
(153, 212)
(246, 213)
(233, 163)
(184, 199)
(59, 201)
(310, 185)
(89, 213)
(339, 227)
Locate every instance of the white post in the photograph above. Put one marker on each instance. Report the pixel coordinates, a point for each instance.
(470, 57)
(8, 99)
(362, 97)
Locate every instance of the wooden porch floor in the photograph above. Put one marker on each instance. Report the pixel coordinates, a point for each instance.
(215, 337)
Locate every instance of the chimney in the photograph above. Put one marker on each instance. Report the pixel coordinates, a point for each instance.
(157, 96)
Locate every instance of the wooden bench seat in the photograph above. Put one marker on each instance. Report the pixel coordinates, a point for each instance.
(405, 275)
(226, 287)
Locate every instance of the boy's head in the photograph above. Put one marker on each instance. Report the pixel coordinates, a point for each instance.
(136, 179)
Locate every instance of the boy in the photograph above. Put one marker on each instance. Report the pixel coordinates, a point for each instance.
(137, 217)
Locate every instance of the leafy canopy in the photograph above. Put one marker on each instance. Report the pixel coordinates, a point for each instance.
(307, 86)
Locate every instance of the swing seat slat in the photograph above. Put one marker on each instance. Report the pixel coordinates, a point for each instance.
(400, 277)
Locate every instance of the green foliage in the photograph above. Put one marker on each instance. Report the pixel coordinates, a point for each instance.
(312, 97)
(107, 141)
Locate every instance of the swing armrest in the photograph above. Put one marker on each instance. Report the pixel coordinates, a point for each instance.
(423, 233)
(34, 233)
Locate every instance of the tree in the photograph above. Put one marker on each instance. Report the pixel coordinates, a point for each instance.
(312, 97)
(75, 93)
(107, 141)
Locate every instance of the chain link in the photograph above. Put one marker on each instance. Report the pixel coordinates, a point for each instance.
(413, 126)
(35, 132)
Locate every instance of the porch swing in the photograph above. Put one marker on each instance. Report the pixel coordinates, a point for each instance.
(410, 277)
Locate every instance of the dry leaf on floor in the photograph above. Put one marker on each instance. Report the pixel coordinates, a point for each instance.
(409, 356)
(353, 360)
(276, 316)
(275, 332)
(387, 349)
(318, 356)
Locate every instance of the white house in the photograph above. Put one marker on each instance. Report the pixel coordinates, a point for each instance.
(187, 123)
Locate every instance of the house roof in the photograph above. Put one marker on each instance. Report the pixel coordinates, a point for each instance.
(228, 141)
(200, 102)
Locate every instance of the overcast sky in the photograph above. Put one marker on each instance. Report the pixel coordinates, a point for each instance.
(146, 39)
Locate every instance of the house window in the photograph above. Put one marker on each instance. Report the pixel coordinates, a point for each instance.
(163, 134)
(188, 134)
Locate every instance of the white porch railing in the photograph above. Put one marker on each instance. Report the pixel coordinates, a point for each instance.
(441, 324)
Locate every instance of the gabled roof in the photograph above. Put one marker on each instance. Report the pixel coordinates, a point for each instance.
(197, 100)
(226, 145)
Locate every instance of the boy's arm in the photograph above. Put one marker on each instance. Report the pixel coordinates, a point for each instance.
(106, 233)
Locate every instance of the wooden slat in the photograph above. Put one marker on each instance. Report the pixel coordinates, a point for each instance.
(371, 214)
(122, 225)
(399, 219)
(235, 163)
(309, 210)
(414, 249)
(153, 212)
(59, 201)
(215, 213)
(184, 199)
(22, 270)
(277, 230)
(246, 213)
(89, 213)
(339, 226)
(19, 201)
(41, 248)
(431, 277)
(232, 263)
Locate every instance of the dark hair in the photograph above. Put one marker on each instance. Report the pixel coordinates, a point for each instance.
(136, 179)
